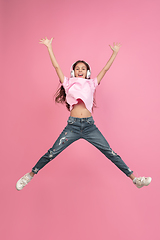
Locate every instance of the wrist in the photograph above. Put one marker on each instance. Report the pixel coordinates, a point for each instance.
(115, 53)
(49, 47)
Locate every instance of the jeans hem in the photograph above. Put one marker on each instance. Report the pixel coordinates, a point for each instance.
(129, 174)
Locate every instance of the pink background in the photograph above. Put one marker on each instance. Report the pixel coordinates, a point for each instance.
(80, 194)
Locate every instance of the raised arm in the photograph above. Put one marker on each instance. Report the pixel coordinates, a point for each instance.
(115, 49)
(48, 44)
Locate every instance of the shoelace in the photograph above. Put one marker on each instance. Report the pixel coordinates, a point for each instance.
(24, 180)
(141, 180)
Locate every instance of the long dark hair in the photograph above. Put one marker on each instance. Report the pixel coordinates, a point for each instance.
(60, 95)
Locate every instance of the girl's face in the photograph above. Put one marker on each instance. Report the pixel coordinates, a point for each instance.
(80, 70)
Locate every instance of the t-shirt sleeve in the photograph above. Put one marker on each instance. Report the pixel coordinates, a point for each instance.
(95, 82)
(65, 82)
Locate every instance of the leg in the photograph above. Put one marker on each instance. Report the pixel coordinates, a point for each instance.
(67, 137)
(32, 174)
(132, 177)
(96, 138)
(64, 140)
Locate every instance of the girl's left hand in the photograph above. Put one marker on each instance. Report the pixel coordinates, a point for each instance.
(116, 47)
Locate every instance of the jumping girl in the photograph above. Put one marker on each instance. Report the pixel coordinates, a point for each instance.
(77, 92)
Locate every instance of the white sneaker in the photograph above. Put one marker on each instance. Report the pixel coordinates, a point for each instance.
(142, 181)
(23, 181)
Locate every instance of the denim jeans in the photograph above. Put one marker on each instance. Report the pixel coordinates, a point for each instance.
(81, 128)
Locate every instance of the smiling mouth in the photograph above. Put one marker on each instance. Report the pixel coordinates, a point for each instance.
(80, 75)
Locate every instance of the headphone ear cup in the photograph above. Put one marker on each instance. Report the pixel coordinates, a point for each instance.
(88, 73)
(72, 73)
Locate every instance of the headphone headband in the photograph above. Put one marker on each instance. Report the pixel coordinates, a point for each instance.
(88, 71)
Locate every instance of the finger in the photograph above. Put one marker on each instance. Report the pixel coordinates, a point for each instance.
(112, 48)
(42, 41)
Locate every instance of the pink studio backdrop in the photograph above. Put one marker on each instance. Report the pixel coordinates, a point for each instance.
(80, 194)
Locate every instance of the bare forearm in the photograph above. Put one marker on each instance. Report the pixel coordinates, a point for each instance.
(106, 67)
(115, 49)
(110, 61)
(52, 57)
(48, 44)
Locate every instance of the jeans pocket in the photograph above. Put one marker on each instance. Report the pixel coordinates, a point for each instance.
(71, 121)
(90, 121)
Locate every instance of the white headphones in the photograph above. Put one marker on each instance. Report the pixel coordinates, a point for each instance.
(88, 71)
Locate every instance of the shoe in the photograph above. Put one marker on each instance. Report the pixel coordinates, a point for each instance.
(142, 181)
(23, 181)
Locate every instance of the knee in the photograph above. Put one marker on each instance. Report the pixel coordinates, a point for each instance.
(51, 153)
(113, 153)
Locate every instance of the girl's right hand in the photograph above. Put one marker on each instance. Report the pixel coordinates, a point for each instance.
(46, 41)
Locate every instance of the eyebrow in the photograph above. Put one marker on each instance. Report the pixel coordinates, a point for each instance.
(82, 66)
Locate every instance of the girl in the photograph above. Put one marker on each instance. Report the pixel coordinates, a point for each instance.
(78, 94)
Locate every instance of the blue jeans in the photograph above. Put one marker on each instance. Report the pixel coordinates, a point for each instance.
(81, 128)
